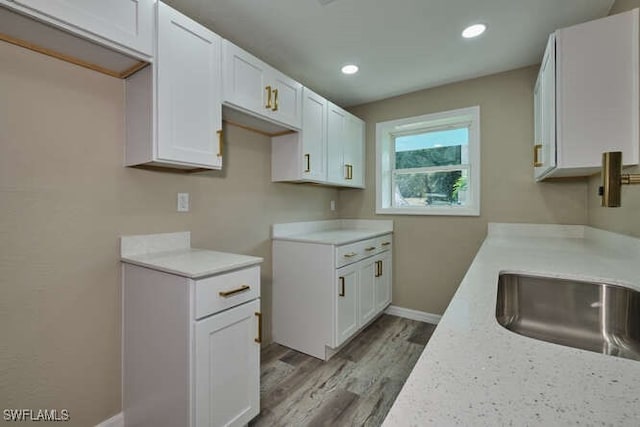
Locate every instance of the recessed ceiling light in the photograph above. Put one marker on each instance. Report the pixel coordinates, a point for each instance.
(350, 69)
(473, 31)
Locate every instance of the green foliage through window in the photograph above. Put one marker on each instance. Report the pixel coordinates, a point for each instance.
(431, 188)
(427, 157)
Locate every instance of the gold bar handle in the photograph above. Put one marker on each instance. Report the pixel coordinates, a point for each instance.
(307, 159)
(269, 92)
(341, 293)
(227, 294)
(259, 316)
(275, 100)
(371, 248)
(220, 148)
(386, 243)
(380, 273)
(377, 268)
(348, 171)
(536, 160)
(350, 255)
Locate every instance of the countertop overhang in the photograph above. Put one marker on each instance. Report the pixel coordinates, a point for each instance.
(474, 372)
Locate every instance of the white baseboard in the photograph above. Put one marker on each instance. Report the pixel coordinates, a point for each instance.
(115, 421)
(408, 313)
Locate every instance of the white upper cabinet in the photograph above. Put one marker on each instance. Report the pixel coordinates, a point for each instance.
(174, 108)
(328, 150)
(254, 87)
(345, 148)
(336, 125)
(544, 150)
(301, 156)
(354, 152)
(314, 136)
(189, 108)
(127, 23)
(586, 99)
(243, 79)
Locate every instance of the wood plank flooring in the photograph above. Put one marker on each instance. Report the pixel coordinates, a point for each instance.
(355, 388)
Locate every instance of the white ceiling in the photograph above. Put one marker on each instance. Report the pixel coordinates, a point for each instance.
(400, 45)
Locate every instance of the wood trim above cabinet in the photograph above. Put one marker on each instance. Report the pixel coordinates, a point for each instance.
(72, 59)
(47, 35)
(258, 131)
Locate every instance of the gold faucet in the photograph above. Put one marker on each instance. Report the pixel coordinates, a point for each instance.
(613, 179)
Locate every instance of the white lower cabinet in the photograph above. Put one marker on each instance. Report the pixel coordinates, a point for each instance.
(324, 294)
(346, 303)
(382, 283)
(191, 348)
(366, 292)
(227, 370)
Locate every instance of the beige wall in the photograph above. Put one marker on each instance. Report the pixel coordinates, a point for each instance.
(432, 253)
(624, 219)
(623, 6)
(64, 200)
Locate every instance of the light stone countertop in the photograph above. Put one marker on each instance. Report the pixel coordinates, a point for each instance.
(193, 263)
(172, 253)
(474, 372)
(334, 237)
(332, 232)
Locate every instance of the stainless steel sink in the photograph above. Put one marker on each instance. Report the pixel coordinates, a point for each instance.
(598, 317)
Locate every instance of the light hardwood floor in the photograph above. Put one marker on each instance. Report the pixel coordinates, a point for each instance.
(355, 388)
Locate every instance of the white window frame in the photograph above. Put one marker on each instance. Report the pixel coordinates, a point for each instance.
(385, 159)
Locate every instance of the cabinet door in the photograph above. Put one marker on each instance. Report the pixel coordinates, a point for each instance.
(286, 100)
(314, 136)
(354, 151)
(126, 22)
(346, 302)
(227, 367)
(244, 80)
(345, 148)
(336, 123)
(547, 110)
(367, 298)
(597, 91)
(537, 126)
(383, 280)
(189, 108)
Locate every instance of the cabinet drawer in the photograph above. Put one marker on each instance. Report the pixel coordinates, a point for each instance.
(353, 252)
(384, 243)
(218, 293)
(349, 254)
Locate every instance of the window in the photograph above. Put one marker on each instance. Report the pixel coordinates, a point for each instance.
(429, 165)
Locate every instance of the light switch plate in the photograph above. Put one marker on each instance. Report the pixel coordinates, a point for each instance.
(183, 202)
